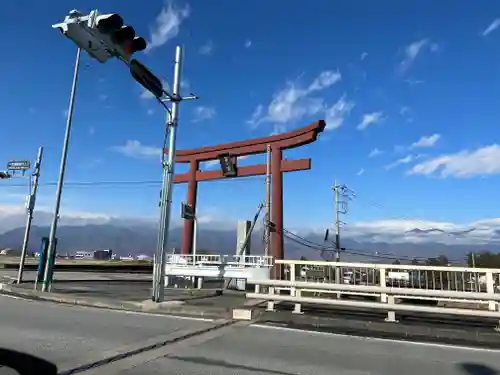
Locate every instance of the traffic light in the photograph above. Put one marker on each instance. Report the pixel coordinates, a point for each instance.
(145, 78)
(119, 38)
(78, 28)
(102, 35)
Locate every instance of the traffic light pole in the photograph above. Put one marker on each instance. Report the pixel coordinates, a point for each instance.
(31, 207)
(47, 277)
(168, 182)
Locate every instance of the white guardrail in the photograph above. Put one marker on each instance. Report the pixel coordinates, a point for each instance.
(238, 261)
(458, 291)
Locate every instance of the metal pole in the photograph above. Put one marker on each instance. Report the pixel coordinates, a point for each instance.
(168, 182)
(47, 277)
(195, 235)
(473, 256)
(267, 231)
(30, 207)
(337, 222)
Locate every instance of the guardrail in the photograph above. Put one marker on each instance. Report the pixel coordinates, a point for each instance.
(462, 279)
(189, 260)
(321, 294)
(461, 291)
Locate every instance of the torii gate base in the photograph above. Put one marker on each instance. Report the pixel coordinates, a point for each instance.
(278, 143)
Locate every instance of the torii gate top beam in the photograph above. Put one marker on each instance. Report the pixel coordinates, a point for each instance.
(292, 139)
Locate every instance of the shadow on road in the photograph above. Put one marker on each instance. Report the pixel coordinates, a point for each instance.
(477, 369)
(227, 365)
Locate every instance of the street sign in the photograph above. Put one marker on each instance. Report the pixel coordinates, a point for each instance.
(18, 165)
(187, 211)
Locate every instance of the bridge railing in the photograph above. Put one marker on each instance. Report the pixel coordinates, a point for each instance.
(190, 260)
(459, 279)
(389, 299)
(463, 288)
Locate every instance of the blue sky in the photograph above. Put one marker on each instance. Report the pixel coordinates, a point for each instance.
(418, 81)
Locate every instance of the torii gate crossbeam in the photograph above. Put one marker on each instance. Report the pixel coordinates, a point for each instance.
(278, 143)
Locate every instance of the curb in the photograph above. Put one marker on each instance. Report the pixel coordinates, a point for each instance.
(177, 307)
(12, 280)
(172, 307)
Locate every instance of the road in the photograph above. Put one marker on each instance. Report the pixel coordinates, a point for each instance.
(69, 335)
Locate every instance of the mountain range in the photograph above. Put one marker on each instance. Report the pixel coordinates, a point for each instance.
(141, 239)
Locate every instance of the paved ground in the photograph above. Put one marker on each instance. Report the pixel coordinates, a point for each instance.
(254, 350)
(74, 335)
(139, 291)
(7, 274)
(68, 335)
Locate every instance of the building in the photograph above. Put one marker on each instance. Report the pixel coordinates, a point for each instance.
(103, 254)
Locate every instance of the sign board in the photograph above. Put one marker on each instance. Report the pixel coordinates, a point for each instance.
(187, 211)
(227, 165)
(18, 165)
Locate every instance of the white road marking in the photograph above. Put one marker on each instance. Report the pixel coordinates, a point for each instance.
(375, 339)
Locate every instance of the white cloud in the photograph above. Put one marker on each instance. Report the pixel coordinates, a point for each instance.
(464, 164)
(370, 119)
(421, 231)
(426, 141)
(404, 110)
(336, 114)
(202, 113)
(92, 130)
(146, 95)
(136, 149)
(413, 50)
(103, 97)
(150, 112)
(167, 24)
(185, 84)
(295, 101)
(360, 172)
(406, 160)
(492, 27)
(248, 43)
(413, 82)
(374, 152)
(207, 48)
(364, 55)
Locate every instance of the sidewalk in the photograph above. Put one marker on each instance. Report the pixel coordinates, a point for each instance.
(136, 297)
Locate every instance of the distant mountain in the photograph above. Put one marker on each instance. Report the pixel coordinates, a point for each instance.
(141, 239)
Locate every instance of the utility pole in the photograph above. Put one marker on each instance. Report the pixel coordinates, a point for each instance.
(267, 230)
(168, 180)
(30, 206)
(47, 276)
(342, 196)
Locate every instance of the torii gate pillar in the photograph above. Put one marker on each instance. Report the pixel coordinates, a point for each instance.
(277, 242)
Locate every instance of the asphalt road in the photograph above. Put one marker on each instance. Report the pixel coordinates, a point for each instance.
(68, 335)
(71, 335)
(258, 351)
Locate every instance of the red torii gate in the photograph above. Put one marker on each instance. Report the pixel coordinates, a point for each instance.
(278, 143)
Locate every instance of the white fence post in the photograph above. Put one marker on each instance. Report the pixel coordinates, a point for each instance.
(490, 289)
(383, 283)
(291, 272)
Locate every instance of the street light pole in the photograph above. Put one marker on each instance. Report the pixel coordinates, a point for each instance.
(168, 182)
(30, 208)
(47, 277)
